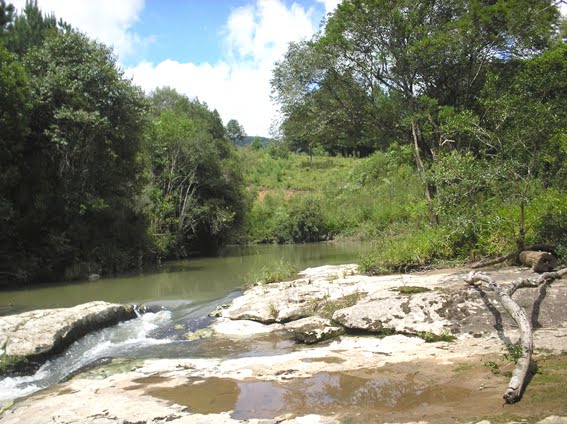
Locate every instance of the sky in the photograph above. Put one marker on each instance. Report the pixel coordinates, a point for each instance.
(219, 51)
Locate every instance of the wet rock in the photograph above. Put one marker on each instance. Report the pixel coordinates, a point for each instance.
(313, 330)
(229, 327)
(31, 337)
(202, 333)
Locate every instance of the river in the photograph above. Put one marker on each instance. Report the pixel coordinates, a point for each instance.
(180, 295)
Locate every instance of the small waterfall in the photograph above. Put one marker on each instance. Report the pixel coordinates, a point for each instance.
(122, 340)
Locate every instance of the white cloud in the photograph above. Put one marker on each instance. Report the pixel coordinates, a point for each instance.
(238, 86)
(255, 36)
(109, 21)
(330, 5)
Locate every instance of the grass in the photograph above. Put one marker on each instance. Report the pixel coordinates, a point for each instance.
(274, 310)
(325, 307)
(273, 273)
(432, 337)
(380, 198)
(411, 289)
(359, 198)
(277, 272)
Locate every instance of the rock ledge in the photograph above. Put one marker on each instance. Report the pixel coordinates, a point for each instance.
(30, 338)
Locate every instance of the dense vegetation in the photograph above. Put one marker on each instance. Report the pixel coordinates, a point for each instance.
(476, 89)
(96, 177)
(435, 128)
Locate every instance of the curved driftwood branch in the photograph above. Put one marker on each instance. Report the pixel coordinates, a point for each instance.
(514, 391)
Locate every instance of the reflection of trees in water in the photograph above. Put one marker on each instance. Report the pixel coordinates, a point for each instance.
(325, 389)
(259, 399)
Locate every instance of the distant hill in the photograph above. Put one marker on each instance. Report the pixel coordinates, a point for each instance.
(248, 140)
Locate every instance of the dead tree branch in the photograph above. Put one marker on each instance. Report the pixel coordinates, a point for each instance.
(514, 391)
(513, 255)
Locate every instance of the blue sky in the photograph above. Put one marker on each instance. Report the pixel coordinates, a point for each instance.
(221, 51)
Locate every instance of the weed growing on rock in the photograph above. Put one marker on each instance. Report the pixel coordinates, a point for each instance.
(8, 362)
(430, 337)
(411, 289)
(274, 310)
(278, 272)
(326, 307)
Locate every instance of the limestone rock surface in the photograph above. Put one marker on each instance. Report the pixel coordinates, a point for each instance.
(36, 335)
(313, 330)
(416, 313)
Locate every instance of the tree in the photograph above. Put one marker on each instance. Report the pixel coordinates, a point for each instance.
(519, 154)
(196, 185)
(14, 112)
(75, 207)
(6, 17)
(235, 131)
(31, 27)
(412, 51)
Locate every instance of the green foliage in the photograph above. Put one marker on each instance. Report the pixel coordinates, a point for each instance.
(494, 367)
(304, 222)
(433, 338)
(30, 28)
(6, 16)
(235, 131)
(276, 272)
(514, 352)
(75, 144)
(14, 112)
(196, 197)
(411, 289)
(326, 307)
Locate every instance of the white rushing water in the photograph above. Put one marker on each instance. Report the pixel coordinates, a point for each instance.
(117, 341)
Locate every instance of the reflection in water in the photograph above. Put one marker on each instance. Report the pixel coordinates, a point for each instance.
(324, 393)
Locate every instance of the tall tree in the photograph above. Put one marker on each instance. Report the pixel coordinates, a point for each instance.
(6, 17)
(31, 27)
(79, 166)
(196, 186)
(235, 131)
(14, 112)
(413, 50)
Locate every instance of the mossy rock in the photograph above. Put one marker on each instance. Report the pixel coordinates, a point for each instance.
(411, 289)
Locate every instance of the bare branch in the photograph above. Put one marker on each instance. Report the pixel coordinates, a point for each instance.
(514, 391)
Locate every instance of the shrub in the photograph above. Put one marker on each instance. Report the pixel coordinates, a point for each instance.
(305, 223)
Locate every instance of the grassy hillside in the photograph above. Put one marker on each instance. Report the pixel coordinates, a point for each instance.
(379, 198)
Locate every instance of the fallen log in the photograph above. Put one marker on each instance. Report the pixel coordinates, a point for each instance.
(514, 391)
(514, 255)
(539, 261)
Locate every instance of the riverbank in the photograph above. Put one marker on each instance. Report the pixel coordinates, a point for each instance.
(372, 374)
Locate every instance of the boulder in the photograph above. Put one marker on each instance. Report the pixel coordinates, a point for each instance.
(417, 313)
(313, 330)
(30, 338)
(292, 300)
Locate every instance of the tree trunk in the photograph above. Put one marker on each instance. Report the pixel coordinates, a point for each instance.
(539, 261)
(514, 391)
(433, 218)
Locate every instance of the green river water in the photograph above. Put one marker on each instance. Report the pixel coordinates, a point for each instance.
(179, 296)
(197, 280)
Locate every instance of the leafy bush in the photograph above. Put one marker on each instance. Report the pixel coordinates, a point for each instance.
(305, 223)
